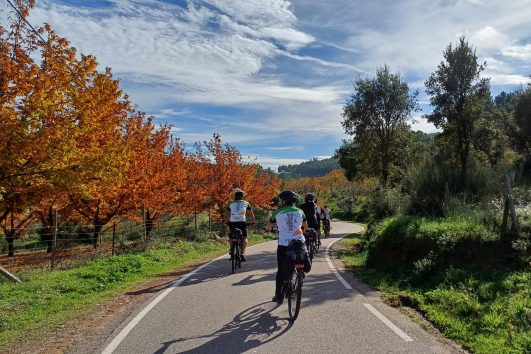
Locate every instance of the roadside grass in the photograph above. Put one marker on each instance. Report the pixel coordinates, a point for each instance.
(46, 299)
(486, 310)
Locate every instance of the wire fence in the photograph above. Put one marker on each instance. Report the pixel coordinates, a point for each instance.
(69, 244)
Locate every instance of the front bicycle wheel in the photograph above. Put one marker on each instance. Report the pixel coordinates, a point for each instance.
(295, 294)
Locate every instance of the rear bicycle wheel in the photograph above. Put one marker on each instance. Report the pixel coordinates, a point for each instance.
(235, 257)
(295, 294)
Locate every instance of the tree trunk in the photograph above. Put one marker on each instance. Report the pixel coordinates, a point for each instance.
(96, 235)
(10, 239)
(149, 222)
(49, 231)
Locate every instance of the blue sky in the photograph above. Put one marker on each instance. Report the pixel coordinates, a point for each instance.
(271, 76)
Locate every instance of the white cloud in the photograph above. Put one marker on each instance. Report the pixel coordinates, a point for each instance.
(488, 38)
(273, 162)
(165, 44)
(422, 124)
(522, 52)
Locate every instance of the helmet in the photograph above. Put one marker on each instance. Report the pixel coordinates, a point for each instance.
(309, 197)
(288, 196)
(238, 194)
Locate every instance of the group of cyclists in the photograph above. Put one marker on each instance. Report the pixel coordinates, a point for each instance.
(292, 222)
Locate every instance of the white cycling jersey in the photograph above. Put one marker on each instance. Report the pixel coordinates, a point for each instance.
(238, 210)
(326, 213)
(289, 222)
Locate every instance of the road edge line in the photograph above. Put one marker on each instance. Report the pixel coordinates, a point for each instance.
(388, 323)
(333, 267)
(129, 327)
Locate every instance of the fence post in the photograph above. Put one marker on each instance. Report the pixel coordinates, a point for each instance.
(54, 244)
(144, 222)
(8, 275)
(113, 237)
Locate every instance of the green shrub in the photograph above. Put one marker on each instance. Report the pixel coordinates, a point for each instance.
(433, 182)
(424, 244)
(386, 202)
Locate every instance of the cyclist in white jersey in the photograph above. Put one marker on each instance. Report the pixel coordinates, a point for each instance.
(237, 211)
(290, 220)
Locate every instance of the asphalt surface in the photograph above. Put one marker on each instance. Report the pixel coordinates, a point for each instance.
(214, 311)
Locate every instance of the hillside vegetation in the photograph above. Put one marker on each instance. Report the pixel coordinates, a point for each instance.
(311, 168)
(448, 214)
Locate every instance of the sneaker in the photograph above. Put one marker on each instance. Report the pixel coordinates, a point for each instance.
(242, 258)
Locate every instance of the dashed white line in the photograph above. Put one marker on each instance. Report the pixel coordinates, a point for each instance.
(375, 312)
(388, 323)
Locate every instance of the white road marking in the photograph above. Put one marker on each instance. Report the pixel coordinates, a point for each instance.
(333, 268)
(388, 323)
(375, 312)
(125, 331)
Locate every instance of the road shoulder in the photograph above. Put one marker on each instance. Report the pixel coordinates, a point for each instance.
(405, 317)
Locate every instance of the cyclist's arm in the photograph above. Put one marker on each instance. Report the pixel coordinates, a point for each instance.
(251, 216)
(226, 215)
(305, 225)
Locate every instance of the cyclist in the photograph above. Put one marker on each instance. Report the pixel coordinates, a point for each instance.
(326, 216)
(327, 213)
(237, 211)
(319, 215)
(310, 212)
(290, 221)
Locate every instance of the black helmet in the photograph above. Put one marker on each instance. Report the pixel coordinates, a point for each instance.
(309, 197)
(238, 194)
(288, 197)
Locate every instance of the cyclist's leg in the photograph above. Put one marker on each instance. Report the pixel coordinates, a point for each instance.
(243, 227)
(281, 254)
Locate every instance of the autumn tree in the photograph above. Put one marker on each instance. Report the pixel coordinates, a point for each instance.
(37, 133)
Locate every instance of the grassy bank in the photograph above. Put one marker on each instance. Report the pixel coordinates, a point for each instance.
(487, 309)
(48, 298)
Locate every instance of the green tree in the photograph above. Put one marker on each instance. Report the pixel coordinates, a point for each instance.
(349, 158)
(376, 115)
(522, 120)
(459, 97)
(495, 134)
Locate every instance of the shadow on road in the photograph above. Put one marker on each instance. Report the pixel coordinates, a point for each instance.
(222, 268)
(249, 329)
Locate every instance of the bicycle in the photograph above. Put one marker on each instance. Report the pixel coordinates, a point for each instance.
(236, 239)
(292, 289)
(312, 242)
(326, 228)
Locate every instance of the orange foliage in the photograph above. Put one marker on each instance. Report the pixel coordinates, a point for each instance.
(71, 144)
(321, 186)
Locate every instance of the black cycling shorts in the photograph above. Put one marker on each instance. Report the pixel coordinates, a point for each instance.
(242, 225)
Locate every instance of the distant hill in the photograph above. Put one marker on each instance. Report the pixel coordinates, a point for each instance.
(312, 168)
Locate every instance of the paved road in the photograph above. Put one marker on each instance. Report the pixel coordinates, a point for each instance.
(213, 311)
